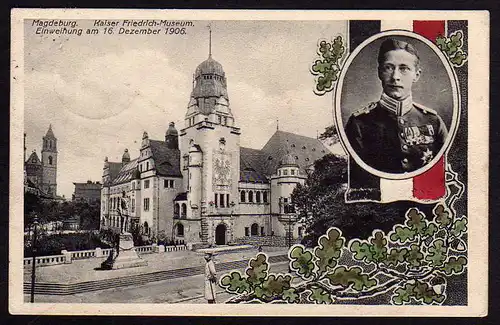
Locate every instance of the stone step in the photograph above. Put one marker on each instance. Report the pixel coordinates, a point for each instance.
(140, 279)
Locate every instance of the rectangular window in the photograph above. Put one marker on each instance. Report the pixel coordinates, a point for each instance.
(216, 196)
(285, 172)
(220, 119)
(146, 204)
(165, 183)
(133, 185)
(264, 194)
(247, 231)
(147, 165)
(262, 231)
(227, 200)
(171, 183)
(225, 120)
(133, 205)
(221, 197)
(292, 171)
(146, 183)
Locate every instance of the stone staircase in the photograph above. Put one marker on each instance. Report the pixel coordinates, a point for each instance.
(139, 279)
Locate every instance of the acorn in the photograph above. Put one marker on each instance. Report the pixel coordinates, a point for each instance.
(458, 245)
(438, 284)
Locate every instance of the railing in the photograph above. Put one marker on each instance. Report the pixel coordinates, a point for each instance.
(144, 249)
(67, 257)
(78, 255)
(45, 260)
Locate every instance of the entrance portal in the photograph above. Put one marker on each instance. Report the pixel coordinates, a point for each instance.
(220, 234)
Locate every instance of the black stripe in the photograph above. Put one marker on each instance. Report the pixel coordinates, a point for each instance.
(360, 30)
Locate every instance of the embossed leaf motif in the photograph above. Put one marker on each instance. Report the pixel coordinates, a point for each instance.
(423, 292)
(416, 221)
(273, 286)
(396, 256)
(329, 249)
(379, 246)
(301, 261)
(257, 270)
(442, 216)
(291, 295)
(459, 58)
(437, 253)
(420, 291)
(327, 67)
(403, 234)
(414, 256)
(431, 229)
(320, 296)
(361, 251)
(459, 227)
(403, 294)
(234, 283)
(354, 276)
(454, 265)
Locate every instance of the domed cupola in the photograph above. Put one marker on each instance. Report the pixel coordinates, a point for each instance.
(288, 160)
(209, 86)
(125, 157)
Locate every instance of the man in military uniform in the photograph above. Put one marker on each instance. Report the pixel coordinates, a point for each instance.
(395, 134)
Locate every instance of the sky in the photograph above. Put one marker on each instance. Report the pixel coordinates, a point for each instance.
(101, 92)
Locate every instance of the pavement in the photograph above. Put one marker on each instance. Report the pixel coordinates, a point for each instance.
(85, 269)
(187, 290)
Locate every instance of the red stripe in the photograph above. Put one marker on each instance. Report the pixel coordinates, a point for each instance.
(430, 29)
(431, 184)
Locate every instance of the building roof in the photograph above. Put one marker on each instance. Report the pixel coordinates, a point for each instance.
(50, 133)
(114, 169)
(126, 172)
(304, 149)
(33, 159)
(167, 160)
(251, 166)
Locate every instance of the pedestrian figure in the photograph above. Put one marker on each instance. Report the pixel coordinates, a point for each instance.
(210, 279)
(260, 248)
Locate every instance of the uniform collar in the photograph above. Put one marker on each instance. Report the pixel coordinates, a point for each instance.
(397, 107)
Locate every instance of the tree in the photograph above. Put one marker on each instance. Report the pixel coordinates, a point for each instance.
(321, 204)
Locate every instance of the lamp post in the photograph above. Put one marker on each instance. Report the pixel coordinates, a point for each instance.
(33, 252)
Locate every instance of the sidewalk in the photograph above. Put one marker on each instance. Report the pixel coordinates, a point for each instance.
(84, 270)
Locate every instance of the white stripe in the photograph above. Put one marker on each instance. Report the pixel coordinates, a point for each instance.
(396, 190)
(396, 24)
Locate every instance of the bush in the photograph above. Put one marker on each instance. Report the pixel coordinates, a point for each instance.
(54, 244)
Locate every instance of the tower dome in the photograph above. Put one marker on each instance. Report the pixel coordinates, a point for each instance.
(171, 129)
(288, 160)
(126, 156)
(209, 67)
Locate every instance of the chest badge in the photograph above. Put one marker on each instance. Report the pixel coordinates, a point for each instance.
(427, 156)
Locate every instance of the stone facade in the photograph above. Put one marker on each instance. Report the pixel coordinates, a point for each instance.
(199, 186)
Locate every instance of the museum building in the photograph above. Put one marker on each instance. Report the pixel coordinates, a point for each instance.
(199, 186)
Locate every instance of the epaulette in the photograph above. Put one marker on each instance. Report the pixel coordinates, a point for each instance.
(365, 110)
(425, 109)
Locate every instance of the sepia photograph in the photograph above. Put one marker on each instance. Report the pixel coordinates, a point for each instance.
(258, 162)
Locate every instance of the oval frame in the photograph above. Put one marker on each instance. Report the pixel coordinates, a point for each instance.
(456, 107)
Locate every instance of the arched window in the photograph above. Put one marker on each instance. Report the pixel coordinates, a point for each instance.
(242, 196)
(184, 211)
(264, 194)
(180, 230)
(176, 210)
(254, 230)
(50, 160)
(250, 196)
(146, 228)
(257, 197)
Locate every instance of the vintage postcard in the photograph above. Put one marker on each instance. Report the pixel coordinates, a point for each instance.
(266, 162)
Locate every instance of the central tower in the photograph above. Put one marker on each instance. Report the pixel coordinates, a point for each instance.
(210, 148)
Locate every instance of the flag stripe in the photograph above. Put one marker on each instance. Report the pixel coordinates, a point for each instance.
(431, 184)
(360, 30)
